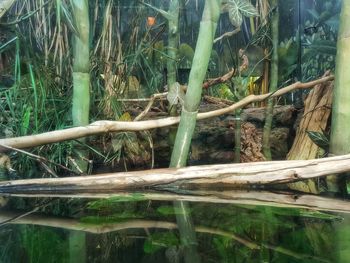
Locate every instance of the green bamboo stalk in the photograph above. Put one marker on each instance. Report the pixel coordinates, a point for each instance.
(172, 16)
(173, 41)
(273, 80)
(81, 71)
(172, 52)
(77, 246)
(199, 68)
(187, 232)
(187, 124)
(81, 65)
(340, 131)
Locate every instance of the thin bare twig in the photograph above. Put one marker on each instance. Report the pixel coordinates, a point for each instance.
(40, 159)
(24, 17)
(149, 105)
(224, 78)
(227, 34)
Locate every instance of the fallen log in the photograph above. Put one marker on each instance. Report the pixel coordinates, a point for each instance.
(100, 127)
(241, 175)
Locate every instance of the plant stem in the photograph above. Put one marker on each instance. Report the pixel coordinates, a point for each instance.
(172, 52)
(238, 123)
(273, 81)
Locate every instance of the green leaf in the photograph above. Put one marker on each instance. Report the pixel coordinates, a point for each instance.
(319, 139)
(175, 94)
(165, 14)
(26, 120)
(237, 9)
(321, 47)
(236, 18)
(246, 8)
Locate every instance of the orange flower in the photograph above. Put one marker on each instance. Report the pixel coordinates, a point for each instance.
(151, 21)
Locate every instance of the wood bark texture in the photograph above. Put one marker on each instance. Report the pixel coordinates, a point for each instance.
(317, 111)
(242, 175)
(316, 114)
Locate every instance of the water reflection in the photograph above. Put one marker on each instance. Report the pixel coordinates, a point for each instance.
(119, 229)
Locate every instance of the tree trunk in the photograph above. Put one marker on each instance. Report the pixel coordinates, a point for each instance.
(273, 79)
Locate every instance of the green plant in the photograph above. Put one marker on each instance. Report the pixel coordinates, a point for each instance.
(320, 139)
(237, 9)
(319, 39)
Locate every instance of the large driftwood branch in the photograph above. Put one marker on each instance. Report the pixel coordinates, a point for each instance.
(99, 127)
(195, 177)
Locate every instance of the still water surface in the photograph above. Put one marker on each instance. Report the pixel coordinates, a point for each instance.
(132, 229)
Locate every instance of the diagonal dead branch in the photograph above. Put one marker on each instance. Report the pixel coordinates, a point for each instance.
(105, 126)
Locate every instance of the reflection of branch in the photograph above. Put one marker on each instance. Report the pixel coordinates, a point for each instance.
(294, 254)
(99, 127)
(12, 217)
(73, 224)
(255, 198)
(227, 34)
